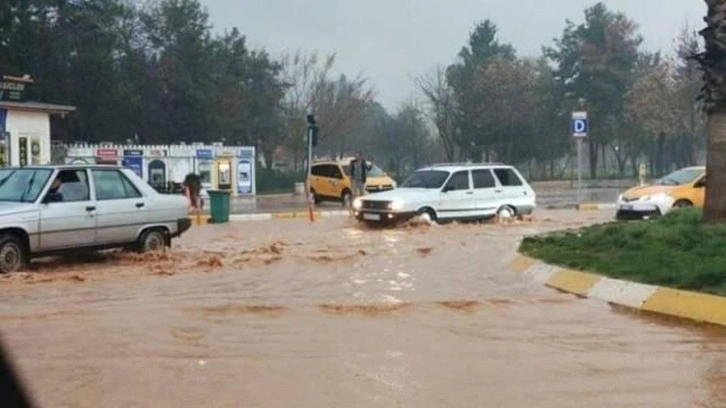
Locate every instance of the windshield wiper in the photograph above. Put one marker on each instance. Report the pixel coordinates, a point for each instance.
(6, 178)
(31, 182)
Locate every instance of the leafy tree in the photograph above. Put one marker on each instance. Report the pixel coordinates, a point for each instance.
(713, 63)
(595, 60)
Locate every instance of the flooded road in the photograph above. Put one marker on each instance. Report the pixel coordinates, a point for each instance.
(285, 314)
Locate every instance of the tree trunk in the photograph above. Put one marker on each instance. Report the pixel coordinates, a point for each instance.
(715, 207)
(593, 159)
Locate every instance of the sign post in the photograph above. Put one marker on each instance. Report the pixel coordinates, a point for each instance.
(311, 141)
(579, 129)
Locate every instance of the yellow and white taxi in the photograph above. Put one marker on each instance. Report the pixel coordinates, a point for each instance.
(682, 188)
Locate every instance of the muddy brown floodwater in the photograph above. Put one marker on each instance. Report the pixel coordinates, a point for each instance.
(287, 314)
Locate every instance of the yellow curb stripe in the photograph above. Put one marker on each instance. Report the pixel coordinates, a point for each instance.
(688, 305)
(293, 214)
(520, 263)
(575, 282)
(588, 206)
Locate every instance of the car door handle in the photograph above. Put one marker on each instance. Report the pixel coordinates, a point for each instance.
(139, 205)
(497, 191)
(90, 208)
(469, 192)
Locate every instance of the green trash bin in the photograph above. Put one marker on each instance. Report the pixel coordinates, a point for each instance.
(218, 206)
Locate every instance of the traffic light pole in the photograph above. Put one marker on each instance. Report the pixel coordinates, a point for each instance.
(309, 193)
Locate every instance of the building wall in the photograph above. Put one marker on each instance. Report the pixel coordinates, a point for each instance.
(34, 126)
(178, 161)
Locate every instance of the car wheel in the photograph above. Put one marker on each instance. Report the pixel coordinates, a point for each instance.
(505, 212)
(427, 215)
(682, 204)
(346, 199)
(153, 240)
(13, 255)
(316, 199)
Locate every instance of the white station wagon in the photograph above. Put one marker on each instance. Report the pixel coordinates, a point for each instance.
(451, 192)
(54, 209)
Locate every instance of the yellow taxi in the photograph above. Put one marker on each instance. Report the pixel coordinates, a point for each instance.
(682, 188)
(330, 180)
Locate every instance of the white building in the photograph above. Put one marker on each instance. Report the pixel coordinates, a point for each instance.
(230, 168)
(24, 126)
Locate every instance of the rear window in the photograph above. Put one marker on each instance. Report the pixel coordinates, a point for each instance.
(507, 177)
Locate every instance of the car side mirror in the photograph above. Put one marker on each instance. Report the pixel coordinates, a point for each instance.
(700, 184)
(447, 188)
(52, 198)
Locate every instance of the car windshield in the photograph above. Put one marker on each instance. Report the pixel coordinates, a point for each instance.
(426, 179)
(374, 171)
(679, 177)
(22, 185)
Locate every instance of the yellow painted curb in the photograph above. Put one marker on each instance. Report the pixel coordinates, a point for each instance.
(578, 283)
(299, 214)
(588, 207)
(521, 263)
(688, 305)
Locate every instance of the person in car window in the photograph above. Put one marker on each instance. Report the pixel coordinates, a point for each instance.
(358, 174)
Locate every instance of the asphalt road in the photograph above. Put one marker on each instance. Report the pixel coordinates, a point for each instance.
(289, 314)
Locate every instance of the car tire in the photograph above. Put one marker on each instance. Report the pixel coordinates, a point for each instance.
(153, 240)
(506, 212)
(682, 204)
(346, 199)
(13, 254)
(427, 215)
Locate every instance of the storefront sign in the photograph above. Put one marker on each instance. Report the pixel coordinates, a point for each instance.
(247, 153)
(133, 160)
(205, 154)
(106, 156)
(244, 177)
(35, 150)
(157, 153)
(23, 150)
(13, 88)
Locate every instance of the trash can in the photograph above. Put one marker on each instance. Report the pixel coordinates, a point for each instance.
(218, 206)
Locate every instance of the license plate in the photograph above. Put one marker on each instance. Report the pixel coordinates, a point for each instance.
(372, 217)
(626, 207)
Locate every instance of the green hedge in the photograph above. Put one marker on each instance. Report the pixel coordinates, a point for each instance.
(271, 181)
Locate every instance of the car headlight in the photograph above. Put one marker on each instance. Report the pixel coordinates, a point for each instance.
(396, 205)
(357, 203)
(655, 197)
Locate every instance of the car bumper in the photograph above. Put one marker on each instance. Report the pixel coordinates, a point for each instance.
(383, 217)
(183, 224)
(636, 209)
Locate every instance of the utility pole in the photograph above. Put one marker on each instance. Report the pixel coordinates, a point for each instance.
(312, 141)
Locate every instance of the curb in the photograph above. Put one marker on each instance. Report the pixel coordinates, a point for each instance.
(595, 206)
(683, 304)
(291, 215)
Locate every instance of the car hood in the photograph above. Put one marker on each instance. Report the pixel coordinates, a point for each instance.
(641, 191)
(399, 193)
(9, 208)
(379, 181)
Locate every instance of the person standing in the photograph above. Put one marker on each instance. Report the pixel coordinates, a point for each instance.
(359, 168)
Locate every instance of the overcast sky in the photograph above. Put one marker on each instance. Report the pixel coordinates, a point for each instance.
(389, 41)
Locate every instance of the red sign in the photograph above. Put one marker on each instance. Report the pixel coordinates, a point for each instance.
(107, 152)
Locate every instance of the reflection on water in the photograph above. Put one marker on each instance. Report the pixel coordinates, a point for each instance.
(331, 314)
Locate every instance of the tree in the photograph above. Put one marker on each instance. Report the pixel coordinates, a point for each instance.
(595, 61)
(713, 63)
(442, 108)
(337, 103)
(473, 136)
(689, 82)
